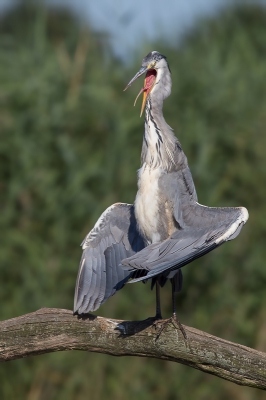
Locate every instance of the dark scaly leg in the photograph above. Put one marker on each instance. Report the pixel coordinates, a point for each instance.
(158, 316)
(158, 302)
(174, 316)
(176, 283)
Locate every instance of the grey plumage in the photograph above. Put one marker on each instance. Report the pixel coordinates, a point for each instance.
(166, 228)
(183, 229)
(113, 238)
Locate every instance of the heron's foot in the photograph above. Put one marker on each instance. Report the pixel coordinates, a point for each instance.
(175, 322)
(156, 319)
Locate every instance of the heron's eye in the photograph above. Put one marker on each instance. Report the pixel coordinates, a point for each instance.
(152, 64)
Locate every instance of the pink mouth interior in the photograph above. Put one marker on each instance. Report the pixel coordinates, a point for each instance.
(149, 81)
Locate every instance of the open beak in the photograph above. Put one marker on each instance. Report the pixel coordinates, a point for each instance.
(148, 84)
(138, 74)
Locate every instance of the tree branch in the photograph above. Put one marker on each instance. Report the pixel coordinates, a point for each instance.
(50, 329)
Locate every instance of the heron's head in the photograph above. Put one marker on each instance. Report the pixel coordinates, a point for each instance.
(155, 66)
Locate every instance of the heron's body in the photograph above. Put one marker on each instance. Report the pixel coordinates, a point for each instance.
(166, 228)
(147, 205)
(161, 157)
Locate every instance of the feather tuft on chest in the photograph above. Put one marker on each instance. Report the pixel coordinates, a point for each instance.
(147, 203)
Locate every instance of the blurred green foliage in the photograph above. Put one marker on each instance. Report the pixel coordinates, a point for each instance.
(70, 145)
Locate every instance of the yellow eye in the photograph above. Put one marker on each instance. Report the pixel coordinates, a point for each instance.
(152, 64)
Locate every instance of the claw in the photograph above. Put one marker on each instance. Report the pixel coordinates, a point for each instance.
(176, 323)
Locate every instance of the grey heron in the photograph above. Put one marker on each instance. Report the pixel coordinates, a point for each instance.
(166, 228)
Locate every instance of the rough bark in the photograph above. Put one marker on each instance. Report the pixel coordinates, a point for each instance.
(50, 329)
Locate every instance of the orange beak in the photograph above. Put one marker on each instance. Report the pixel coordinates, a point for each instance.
(144, 99)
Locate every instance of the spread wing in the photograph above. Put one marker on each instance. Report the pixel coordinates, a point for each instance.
(113, 238)
(204, 229)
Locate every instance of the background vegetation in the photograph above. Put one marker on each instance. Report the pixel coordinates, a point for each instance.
(70, 145)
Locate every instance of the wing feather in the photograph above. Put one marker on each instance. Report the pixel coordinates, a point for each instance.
(113, 238)
(92, 286)
(114, 262)
(215, 227)
(108, 263)
(98, 281)
(99, 299)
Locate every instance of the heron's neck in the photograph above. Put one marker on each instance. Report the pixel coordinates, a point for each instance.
(159, 142)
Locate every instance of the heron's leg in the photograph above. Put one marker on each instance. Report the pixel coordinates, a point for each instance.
(173, 319)
(158, 315)
(158, 302)
(174, 316)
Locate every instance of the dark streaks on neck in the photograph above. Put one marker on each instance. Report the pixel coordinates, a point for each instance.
(156, 127)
